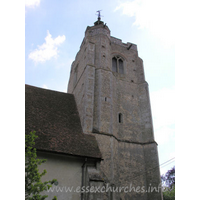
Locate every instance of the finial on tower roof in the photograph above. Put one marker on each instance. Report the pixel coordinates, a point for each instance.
(99, 15)
(99, 18)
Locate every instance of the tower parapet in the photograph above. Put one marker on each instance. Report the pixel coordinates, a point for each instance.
(127, 45)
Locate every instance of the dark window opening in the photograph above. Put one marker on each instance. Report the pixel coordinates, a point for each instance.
(120, 118)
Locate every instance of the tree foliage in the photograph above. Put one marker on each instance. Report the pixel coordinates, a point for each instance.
(168, 181)
(169, 194)
(33, 184)
(169, 178)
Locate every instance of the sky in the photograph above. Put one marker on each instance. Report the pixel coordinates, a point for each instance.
(54, 31)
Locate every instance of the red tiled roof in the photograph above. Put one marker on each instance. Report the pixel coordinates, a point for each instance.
(55, 118)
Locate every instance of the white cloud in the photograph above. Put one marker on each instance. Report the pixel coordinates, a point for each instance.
(163, 112)
(164, 135)
(163, 106)
(48, 49)
(32, 3)
(158, 16)
(44, 86)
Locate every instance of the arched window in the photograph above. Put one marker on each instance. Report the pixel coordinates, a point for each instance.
(120, 118)
(118, 65)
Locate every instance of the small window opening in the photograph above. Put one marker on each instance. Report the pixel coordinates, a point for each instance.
(105, 98)
(120, 118)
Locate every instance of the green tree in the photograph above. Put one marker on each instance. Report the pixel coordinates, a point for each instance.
(169, 194)
(33, 184)
(168, 182)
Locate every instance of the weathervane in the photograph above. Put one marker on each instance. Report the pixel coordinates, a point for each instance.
(99, 15)
(99, 18)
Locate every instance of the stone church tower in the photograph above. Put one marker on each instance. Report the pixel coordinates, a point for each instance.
(112, 96)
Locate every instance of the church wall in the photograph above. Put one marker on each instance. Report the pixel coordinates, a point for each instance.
(145, 113)
(152, 171)
(126, 93)
(73, 174)
(67, 171)
(124, 165)
(83, 87)
(84, 95)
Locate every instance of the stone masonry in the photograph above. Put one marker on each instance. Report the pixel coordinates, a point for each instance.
(115, 107)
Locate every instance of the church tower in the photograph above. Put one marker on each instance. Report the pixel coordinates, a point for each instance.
(112, 96)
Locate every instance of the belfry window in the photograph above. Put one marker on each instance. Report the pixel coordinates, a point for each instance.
(118, 65)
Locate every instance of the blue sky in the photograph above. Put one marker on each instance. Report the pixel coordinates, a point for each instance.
(54, 31)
